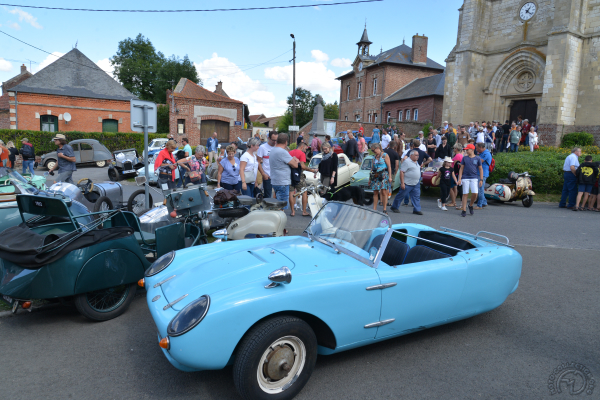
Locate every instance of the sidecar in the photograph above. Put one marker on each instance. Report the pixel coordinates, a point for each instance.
(56, 256)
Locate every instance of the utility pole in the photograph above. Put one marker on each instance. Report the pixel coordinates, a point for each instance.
(294, 82)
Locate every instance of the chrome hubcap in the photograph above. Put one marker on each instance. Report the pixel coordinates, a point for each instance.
(281, 364)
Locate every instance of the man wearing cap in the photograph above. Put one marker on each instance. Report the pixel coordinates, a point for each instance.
(470, 177)
(66, 160)
(28, 153)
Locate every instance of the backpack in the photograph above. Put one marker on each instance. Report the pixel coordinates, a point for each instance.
(492, 165)
(27, 151)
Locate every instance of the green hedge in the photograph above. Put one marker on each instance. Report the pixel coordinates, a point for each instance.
(545, 165)
(42, 141)
(577, 139)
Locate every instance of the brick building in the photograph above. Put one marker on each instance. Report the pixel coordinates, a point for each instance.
(375, 77)
(196, 113)
(538, 59)
(72, 84)
(420, 100)
(4, 99)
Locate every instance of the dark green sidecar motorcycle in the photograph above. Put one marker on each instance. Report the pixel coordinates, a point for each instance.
(54, 256)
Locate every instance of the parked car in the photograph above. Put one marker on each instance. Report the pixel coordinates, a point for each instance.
(86, 151)
(155, 146)
(361, 178)
(429, 172)
(269, 306)
(346, 169)
(124, 165)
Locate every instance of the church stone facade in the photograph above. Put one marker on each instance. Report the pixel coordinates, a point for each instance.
(535, 58)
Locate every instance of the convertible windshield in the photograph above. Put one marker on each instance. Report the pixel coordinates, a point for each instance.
(367, 164)
(349, 227)
(314, 162)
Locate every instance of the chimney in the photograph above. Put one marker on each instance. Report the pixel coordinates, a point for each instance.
(419, 49)
(219, 87)
(23, 68)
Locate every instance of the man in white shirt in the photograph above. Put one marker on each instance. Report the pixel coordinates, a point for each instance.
(262, 154)
(385, 140)
(480, 136)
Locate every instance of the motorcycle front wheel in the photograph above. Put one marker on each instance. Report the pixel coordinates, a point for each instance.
(527, 201)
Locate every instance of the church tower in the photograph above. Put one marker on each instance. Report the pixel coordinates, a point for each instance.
(363, 44)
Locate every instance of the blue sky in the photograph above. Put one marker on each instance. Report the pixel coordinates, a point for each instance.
(228, 46)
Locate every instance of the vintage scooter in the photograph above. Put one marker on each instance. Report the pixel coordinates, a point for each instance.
(516, 187)
(315, 201)
(254, 218)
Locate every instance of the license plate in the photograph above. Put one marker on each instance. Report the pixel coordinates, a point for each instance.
(8, 299)
(131, 171)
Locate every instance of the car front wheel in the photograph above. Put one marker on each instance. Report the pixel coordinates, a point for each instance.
(101, 164)
(113, 175)
(50, 164)
(275, 359)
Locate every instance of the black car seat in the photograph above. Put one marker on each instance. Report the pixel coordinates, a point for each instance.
(395, 252)
(423, 253)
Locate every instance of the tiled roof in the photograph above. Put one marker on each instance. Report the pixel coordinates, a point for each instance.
(188, 89)
(75, 75)
(365, 37)
(430, 86)
(398, 55)
(255, 117)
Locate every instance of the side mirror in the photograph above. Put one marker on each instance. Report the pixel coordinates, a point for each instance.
(140, 180)
(278, 277)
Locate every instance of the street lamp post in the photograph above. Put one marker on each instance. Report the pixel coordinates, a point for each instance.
(294, 82)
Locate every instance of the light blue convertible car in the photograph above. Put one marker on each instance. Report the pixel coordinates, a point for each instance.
(269, 306)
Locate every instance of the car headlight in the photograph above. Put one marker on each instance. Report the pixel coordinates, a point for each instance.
(189, 317)
(159, 265)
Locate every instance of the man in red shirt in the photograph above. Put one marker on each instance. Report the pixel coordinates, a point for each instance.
(361, 130)
(300, 154)
(525, 132)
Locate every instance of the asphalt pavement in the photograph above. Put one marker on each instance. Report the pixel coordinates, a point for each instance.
(507, 353)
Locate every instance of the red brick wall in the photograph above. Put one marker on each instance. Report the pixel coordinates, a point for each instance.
(430, 109)
(551, 134)
(83, 119)
(419, 55)
(192, 128)
(4, 119)
(396, 77)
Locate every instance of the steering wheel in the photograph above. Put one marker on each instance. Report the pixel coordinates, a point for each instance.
(87, 187)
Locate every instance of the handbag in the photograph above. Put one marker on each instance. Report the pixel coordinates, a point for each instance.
(250, 176)
(535, 147)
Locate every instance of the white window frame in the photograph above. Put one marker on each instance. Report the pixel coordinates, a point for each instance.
(416, 114)
(348, 93)
(357, 117)
(359, 89)
(400, 114)
(375, 117)
(389, 116)
(408, 115)
(346, 119)
(370, 118)
(374, 86)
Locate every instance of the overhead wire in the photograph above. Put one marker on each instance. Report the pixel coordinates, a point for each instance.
(204, 10)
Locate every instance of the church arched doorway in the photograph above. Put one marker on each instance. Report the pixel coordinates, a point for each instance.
(527, 109)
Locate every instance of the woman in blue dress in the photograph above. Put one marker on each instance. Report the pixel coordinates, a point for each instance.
(380, 179)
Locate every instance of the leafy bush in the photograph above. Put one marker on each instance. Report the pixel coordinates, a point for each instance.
(425, 128)
(293, 146)
(42, 141)
(544, 164)
(577, 139)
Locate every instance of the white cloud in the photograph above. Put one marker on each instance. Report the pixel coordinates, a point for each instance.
(313, 76)
(319, 56)
(25, 16)
(5, 65)
(49, 60)
(14, 25)
(341, 62)
(238, 85)
(105, 66)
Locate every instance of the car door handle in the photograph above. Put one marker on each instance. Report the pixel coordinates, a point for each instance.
(382, 286)
(380, 323)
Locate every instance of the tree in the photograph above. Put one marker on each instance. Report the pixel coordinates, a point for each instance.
(332, 111)
(148, 74)
(285, 121)
(162, 116)
(257, 124)
(135, 66)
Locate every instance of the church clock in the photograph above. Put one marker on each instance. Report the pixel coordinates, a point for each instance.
(360, 66)
(527, 11)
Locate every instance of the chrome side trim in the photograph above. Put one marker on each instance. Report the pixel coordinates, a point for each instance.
(383, 286)
(171, 304)
(163, 281)
(380, 323)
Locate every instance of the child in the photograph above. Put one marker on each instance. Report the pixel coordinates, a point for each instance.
(447, 176)
(586, 178)
(594, 198)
